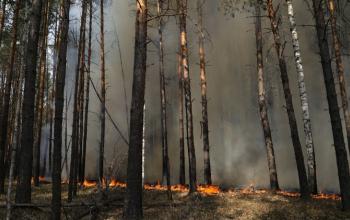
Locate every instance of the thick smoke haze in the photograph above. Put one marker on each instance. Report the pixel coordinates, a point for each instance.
(238, 153)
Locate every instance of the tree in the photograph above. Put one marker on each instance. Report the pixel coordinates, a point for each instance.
(340, 68)
(262, 99)
(103, 94)
(4, 117)
(188, 96)
(311, 162)
(40, 95)
(289, 101)
(203, 78)
(133, 208)
(72, 188)
(87, 95)
(337, 130)
(59, 104)
(182, 176)
(23, 190)
(164, 129)
(2, 18)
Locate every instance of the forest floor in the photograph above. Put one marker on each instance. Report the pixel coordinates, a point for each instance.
(223, 205)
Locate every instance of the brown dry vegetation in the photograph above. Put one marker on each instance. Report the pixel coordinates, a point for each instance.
(225, 205)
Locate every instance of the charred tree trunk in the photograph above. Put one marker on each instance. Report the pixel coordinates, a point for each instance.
(40, 95)
(203, 77)
(72, 187)
(262, 99)
(188, 97)
(103, 94)
(289, 101)
(340, 67)
(133, 208)
(59, 104)
(87, 95)
(165, 155)
(311, 162)
(4, 118)
(182, 176)
(23, 190)
(338, 136)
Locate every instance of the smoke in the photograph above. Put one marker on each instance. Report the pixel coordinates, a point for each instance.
(238, 154)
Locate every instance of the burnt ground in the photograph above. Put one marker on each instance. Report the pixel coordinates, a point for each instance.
(225, 205)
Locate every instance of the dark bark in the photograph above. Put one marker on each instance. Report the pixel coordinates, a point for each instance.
(40, 95)
(133, 208)
(163, 116)
(182, 177)
(203, 78)
(289, 102)
(103, 94)
(59, 104)
(262, 100)
(188, 97)
(4, 117)
(338, 136)
(72, 187)
(87, 95)
(23, 190)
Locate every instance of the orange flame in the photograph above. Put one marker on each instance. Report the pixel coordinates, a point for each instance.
(208, 189)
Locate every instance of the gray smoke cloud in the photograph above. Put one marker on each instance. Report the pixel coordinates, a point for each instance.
(238, 153)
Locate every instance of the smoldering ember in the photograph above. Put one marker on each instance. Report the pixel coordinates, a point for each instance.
(174, 109)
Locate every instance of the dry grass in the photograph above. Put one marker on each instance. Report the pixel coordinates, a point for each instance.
(225, 205)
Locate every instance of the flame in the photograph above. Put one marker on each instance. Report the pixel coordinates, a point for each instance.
(288, 194)
(209, 189)
(89, 183)
(326, 196)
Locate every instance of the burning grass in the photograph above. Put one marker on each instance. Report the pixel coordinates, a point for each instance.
(211, 202)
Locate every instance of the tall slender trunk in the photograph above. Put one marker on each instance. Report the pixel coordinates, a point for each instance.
(182, 176)
(4, 118)
(133, 198)
(188, 97)
(203, 78)
(339, 144)
(311, 162)
(262, 99)
(2, 19)
(59, 104)
(163, 117)
(81, 106)
(340, 67)
(72, 187)
(13, 151)
(103, 93)
(87, 95)
(40, 95)
(289, 101)
(23, 190)
(338, 136)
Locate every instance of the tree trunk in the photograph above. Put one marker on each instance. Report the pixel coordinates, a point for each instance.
(262, 99)
(87, 95)
(59, 104)
(23, 190)
(72, 187)
(2, 18)
(4, 118)
(40, 95)
(311, 162)
(203, 77)
(103, 94)
(163, 117)
(289, 101)
(188, 97)
(182, 176)
(133, 208)
(340, 68)
(339, 144)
